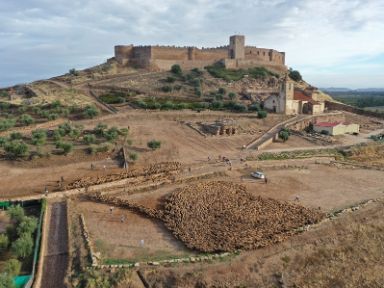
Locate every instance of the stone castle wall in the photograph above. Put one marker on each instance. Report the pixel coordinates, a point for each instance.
(163, 57)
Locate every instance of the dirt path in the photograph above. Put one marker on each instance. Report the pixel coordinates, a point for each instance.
(56, 257)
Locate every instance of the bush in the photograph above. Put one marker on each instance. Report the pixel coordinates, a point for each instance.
(26, 119)
(4, 242)
(170, 79)
(90, 112)
(112, 99)
(198, 91)
(284, 134)
(65, 147)
(75, 133)
(232, 95)
(133, 156)
(254, 107)
(89, 139)
(261, 114)
(168, 105)
(23, 246)
(176, 69)
(111, 134)
(73, 72)
(216, 105)
(197, 71)
(222, 91)
(6, 281)
(12, 267)
(15, 149)
(295, 75)
(4, 94)
(39, 137)
(52, 116)
(15, 136)
(236, 107)
(6, 124)
(166, 88)
(154, 144)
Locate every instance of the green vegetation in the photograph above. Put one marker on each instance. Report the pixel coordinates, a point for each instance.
(16, 149)
(295, 75)
(89, 139)
(4, 94)
(232, 96)
(91, 112)
(116, 97)
(261, 114)
(166, 88)
(4, 242)
(65, 147)
(378, 138)
(296, 154)
(39, 137)
(154, 144)
(219, 71)
(360, 99)
(26, 119)
(284, 134)
(170, 79)
(176, 69)
(5, 124)
(73, 72)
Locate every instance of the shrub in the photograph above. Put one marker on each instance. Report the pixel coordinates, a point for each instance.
(100, 129)
(133, 156)
(261, 114)
(196, 82)
(52, 116)
(6, 281)
(123, 132)
(170, 79)
(89, 138)
(103, 148)
(23, 246)
(198, 91)
(15, 136)
(232, 95)
(3, 140)
(75, 133)
(26, 119)
(154, 144)
(15, 149)
(197, 71)
(65, 147)
(4, 93)
(216, 105)
(112, 99)
(4, 242)
(111, 134)
(27, 225)
(168, 105)
(176, 69)
(39, 137)
(56, 104)
(236, 107)
(22, 109)
(254, 107)
(222, 91)
(12, 267)
(7, 123)
(295, 75)
(73, 72)
(90, 111)
(166, 88)
(65, 129)
(284, 134)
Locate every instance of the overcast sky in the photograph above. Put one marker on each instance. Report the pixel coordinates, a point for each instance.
(338, 43)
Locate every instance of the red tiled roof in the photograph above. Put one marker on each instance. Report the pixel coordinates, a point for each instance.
(327, 124)
(300, 95)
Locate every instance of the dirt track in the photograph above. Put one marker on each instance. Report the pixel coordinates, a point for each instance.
(56, 256)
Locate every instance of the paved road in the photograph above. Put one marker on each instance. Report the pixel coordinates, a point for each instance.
(56, 256)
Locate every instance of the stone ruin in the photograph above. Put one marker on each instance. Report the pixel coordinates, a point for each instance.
(222, 127)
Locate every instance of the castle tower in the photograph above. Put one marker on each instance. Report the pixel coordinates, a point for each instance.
(286, 97)
(236, 47)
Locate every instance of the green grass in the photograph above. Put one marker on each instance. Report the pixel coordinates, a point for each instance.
(219, 71)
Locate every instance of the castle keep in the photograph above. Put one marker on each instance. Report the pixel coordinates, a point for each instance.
(235, 55)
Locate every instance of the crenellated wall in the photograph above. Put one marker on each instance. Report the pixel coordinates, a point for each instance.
(163, 57)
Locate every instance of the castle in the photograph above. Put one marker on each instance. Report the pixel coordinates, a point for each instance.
(233, 56)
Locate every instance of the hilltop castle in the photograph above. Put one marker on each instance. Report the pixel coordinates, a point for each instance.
(234, 56)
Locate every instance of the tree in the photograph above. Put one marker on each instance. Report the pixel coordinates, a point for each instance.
(27, 226)
(261, 114)
(16, 213)
(73, 72)
(284, 134)
(295, 75)
(222, 91)
(154, 144)
(39, 137)
(15, 149)
(100, 128)
(90, 111)
(12, 267)
(6, 281)
(23, 246)
(26, 119)
(133, 156)
(4, 242)
(111, 134)
(176, 69)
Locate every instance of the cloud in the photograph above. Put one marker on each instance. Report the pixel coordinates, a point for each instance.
(40, 39)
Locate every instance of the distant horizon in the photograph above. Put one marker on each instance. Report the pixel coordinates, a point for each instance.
(332, 43)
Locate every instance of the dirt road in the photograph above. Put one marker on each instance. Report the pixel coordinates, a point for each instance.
(56, 256)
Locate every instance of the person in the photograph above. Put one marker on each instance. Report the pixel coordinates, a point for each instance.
(122, 219)
(46, 191)
(62, 179)
(110, 209)
(92, 166)
(105, 168)
(265, 180)
(209, 158)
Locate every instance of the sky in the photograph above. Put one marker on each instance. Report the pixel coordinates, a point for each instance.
(333, 43)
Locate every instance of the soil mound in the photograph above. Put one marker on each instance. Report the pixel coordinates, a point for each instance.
(223, 216)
